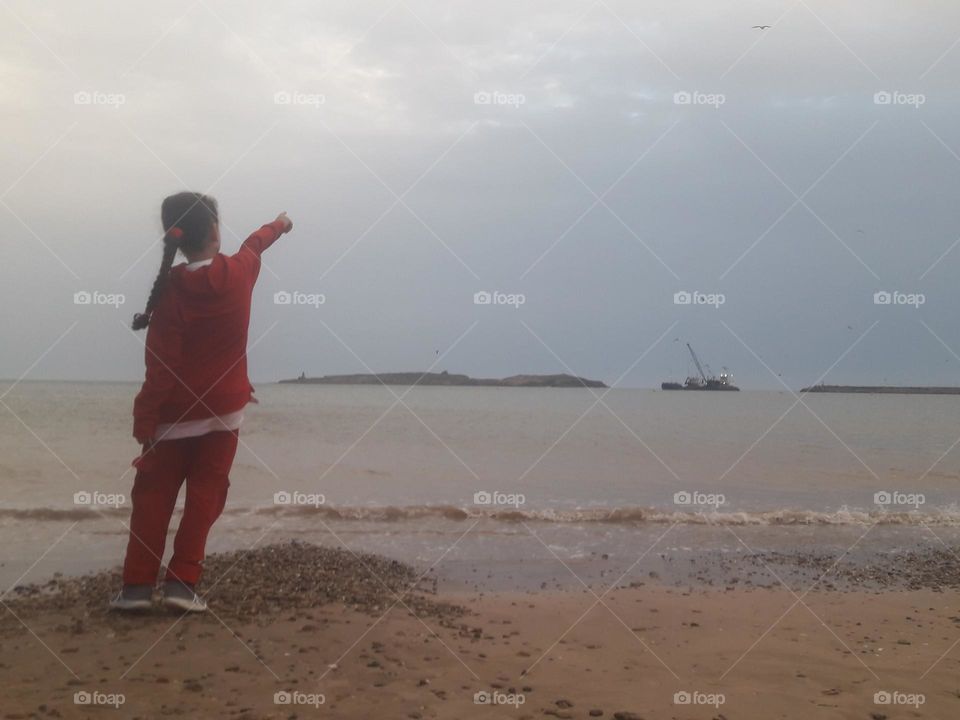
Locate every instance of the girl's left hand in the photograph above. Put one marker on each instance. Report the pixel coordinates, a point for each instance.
(145, 448)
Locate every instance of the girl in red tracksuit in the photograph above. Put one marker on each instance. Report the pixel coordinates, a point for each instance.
(190, 407)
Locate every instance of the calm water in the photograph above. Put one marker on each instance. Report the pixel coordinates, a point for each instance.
(569, 474)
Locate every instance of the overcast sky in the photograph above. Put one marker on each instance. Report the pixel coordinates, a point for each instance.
(594, 158)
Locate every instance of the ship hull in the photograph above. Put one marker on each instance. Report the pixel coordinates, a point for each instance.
(707, 388)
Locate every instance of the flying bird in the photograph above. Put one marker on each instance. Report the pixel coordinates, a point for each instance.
(761, 27)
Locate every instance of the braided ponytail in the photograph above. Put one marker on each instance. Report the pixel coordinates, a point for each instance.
(141, 320)
(187, 218)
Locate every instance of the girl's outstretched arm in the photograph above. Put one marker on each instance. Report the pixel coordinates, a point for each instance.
(251, 250)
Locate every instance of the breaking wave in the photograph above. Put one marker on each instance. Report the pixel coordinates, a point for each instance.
(623, 515)
(615, 515)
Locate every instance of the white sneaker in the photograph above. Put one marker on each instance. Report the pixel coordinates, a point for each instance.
(182, 596)
(133, 597)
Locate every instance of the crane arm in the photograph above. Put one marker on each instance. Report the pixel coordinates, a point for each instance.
(696, 361)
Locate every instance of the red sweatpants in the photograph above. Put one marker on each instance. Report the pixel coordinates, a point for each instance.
(204, 462)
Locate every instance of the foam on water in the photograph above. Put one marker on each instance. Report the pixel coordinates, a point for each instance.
(621, 515)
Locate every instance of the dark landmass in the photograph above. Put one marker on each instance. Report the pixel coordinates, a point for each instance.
(882, 389)
(449, 379)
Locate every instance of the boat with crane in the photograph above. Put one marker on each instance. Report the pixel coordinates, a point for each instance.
(702, 381)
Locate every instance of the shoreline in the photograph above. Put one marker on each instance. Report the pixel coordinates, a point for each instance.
(625, 653)
(296, 574)
(637, 515)
(517, 555)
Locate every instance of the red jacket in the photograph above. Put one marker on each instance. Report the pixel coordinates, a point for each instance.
(196, 348)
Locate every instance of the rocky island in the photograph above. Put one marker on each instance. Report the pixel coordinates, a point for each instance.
(449, 380)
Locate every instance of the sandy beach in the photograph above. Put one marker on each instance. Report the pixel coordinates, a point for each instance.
(326, 632)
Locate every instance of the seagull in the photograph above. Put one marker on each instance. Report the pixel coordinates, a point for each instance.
(761, 27)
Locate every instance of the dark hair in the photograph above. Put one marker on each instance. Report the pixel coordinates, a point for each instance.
(187, 218)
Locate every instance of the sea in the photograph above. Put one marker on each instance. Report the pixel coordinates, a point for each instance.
(502, 488)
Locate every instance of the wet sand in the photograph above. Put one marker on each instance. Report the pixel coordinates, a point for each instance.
(360, 637)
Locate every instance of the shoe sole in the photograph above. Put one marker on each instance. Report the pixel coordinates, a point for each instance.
(183, 604)
(127, 605)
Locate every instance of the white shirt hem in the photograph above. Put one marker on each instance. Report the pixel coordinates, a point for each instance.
(194, 428)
